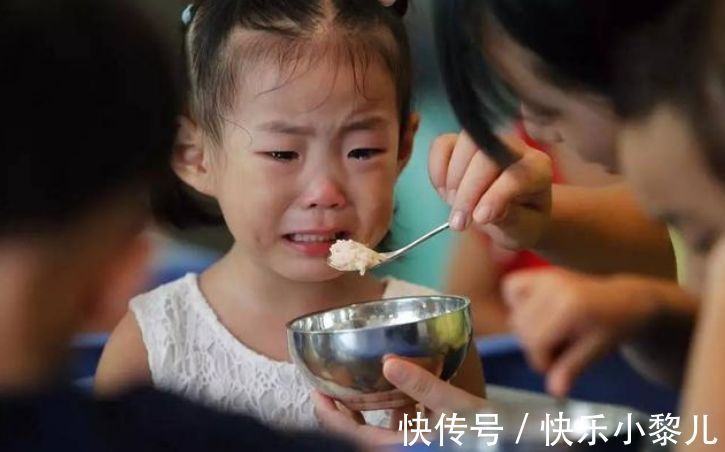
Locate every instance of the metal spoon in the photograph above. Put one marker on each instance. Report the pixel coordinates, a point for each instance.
(378, 259)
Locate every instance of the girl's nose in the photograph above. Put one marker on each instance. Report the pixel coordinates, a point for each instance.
(324, 193)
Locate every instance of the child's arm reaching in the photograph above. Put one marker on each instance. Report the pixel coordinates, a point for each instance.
(124, 363)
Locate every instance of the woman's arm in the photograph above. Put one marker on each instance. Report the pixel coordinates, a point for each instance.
(473, 273)
(604, 230)
(704, 393)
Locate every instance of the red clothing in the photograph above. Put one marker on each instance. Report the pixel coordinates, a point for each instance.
(523, 260)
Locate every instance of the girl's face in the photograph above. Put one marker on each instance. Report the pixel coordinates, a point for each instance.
(575, 120)
(306, 160)
(662, 159)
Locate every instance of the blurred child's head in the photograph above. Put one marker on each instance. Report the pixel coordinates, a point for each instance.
(672, 95)
(89, 119)
(299, 125)
(548, 63)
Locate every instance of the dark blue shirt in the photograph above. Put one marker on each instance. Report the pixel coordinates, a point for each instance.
(143, 420)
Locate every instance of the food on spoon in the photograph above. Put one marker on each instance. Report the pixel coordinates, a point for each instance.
(349, 255)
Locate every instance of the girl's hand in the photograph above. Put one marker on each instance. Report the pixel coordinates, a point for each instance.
(512, 206)
(338, 419)
(567, 320)
(388, 400)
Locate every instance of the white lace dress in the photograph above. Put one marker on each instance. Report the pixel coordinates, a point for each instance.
(192, 354)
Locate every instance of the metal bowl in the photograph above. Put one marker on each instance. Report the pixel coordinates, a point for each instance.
(341, 351)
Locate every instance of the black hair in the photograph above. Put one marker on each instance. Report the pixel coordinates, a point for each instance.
(90, 103)
(662, 62)
(680, 62)
(574, 42)
(285, 30)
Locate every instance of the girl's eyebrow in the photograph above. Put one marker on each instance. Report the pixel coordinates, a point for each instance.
(369, 123)
(278, 126)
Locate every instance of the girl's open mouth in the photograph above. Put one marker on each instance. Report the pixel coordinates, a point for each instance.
(314, 244)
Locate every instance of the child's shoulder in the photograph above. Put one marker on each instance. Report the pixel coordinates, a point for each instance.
(165, 314)
(398, 288)
(180, 290)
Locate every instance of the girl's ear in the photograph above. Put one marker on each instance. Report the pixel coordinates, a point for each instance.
(407, 141)
(191, 156)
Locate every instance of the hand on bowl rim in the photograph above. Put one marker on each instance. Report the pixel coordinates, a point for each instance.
(419, 384)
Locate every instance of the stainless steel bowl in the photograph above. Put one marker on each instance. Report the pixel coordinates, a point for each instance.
(341, 351)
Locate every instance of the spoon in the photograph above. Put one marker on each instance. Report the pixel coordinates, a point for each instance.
(347, 255)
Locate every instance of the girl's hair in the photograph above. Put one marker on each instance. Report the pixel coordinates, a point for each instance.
(91, 104)
(680, 62)
(574, 43)
(288, 33)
